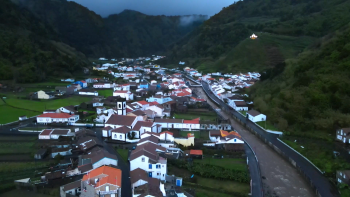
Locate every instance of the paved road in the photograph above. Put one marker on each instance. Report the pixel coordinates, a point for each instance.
(254, 173)
(282, 178)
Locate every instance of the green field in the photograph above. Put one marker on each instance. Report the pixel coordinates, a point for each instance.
(46, 84)
(230, 163)
(124, 154)
(267, 126)
(10, 114)
(208, 187)
(211, 116)
(46, 104)
(105, 93)
(16, 147)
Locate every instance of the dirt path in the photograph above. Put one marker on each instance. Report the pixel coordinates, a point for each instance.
(281, 179)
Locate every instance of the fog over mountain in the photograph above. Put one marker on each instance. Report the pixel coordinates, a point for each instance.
(156, 7)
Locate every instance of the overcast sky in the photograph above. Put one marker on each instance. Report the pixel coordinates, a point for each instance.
(156, 7)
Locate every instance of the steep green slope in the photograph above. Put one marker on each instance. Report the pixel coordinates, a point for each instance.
(129, 33)
(221, 42)
(313, 91)
(30, 50)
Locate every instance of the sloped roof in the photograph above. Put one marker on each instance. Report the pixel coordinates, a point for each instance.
(55, 115)
(121, 120)
(140, 124)
(111, 175)
(123, 129)
(194, 121)
(196, 152)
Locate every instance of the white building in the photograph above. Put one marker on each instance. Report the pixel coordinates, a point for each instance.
(88, 92)
(146, 158)
(255, 116)
(124, 94)
(56, 133)
(56, 118)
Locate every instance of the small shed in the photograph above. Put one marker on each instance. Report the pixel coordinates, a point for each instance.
(22, 118)
(195, 154)
(40, 154)
(255, 116)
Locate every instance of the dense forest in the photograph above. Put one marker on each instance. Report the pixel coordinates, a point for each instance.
(313, 91)
(30, 51)
(284, 29)
(129, 33)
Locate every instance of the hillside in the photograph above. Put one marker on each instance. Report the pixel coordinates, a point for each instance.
(129, 33)
(30, 50)
(284, 29)
(312, 93)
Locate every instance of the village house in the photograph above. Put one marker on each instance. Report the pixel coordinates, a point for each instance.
(158, 109)
(194, 154)
(43, 95)
(103, 85)
(146, 157)
(116, 121)
(231, 141)
(159, 98)
(124, 94)
(99, 158)
(343, 177)
(121, 133)
(343, 135)
(102, 181)
(240, 105)
(48, 118)
(88, 92)
(138, 113)
(255, 116)
(68, 109)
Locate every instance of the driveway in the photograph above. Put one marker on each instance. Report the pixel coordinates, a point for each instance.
(281, 179)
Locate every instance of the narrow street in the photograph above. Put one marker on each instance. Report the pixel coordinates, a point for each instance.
(278, 176)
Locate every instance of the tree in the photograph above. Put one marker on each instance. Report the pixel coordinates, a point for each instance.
(282, 124)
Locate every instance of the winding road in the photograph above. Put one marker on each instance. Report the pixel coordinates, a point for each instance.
(280, 178)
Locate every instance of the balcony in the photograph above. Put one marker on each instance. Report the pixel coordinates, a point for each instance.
(107, 192)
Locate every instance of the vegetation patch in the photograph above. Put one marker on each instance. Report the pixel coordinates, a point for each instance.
(211, 116)
(229, 163)
(123, 153)
(319, 152)
(10, 114)
(46, 104)
(105, 93)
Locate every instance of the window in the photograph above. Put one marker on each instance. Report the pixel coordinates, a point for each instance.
(143, 159)
(341, 174)
(120, 137)
(115, 135)
(163, 166)
(158, 174)
(150, 166)
(119, 105)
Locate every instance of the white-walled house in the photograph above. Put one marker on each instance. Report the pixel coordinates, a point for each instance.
(343, 135)
(255, 116)
(56, 133)
(103, 85)
(56, 118)
(124, 94)
(240, 105)
(107, 131)
(120, 133)
(42, 95)
(146, 158)
(158, 98)
(224, 137)
(158, 109)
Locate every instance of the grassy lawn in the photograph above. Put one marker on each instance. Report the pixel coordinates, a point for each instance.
(42, 84)
(105, 93)
(230, 163)
(344, 192)
(244, 113)
(46, 104)
(191, 115)
(123, 153)
(16, 147)
(269, 126)
(215, 185)
(10, 114)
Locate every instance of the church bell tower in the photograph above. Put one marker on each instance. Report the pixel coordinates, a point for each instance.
(121, 106)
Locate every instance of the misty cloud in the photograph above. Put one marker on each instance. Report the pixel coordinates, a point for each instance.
(187, 20)
(157, 7)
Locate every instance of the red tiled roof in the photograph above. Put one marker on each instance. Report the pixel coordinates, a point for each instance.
(168, 132)
(183, 94)
(196, 152)
(128, 110)
(143, 102)
(110, 175)
(83, 81)
(153, 103)
(46, 132)
(55, 115)
(194, 121)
